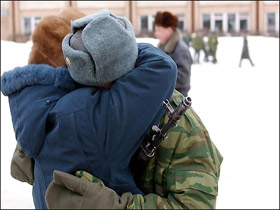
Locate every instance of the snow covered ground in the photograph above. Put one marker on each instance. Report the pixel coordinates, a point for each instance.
(239, 106)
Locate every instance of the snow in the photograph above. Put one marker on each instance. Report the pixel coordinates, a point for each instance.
(239, 107)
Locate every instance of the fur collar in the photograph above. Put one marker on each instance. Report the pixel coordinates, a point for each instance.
(36, 74)
(171, 43)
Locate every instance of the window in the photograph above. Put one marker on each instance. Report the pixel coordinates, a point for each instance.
(4, 12)
(218, 22)
(147, 22)
(4, 8)
(231, 22)
(152, 21)
(243, 22)
(270, 22)
(29, 24)
(36, 21)
(181, 22)
(218, 25)
(243, 25)
(206, 21)
(144, 23)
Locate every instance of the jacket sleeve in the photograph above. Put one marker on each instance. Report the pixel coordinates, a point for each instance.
(186, 170)
(33, 90)
(136, 99)
(183, 189)
(183, 59)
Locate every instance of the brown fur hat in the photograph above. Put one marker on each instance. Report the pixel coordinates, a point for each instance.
(69, 14)
(48, 35)
(166, 19)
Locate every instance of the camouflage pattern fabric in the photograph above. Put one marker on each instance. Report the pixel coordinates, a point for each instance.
(213, 42)
(188, 39)
(185, 170)
(197, 42)
(88, 177)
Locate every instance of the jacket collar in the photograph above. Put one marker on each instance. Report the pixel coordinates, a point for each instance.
(36, 74)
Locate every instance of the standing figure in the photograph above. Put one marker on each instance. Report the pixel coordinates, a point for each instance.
(245, 51)
(206, 48)
(213, 44)
(198, 45)
(173, 44)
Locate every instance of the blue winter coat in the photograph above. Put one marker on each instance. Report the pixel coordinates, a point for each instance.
(68, 127)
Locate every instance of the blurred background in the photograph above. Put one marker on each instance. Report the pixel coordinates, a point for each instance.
(19, 18)
(239, 105)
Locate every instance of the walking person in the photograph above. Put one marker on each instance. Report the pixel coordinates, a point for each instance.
(245, 51)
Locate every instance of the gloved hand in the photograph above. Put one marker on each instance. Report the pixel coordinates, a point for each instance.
(70, 192)
(22, 167)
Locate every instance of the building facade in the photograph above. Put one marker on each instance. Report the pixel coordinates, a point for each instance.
(19, 18)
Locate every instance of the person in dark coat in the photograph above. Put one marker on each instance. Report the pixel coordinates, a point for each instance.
(68, 126)
(245, 51)
(46, 49)
(172, 43)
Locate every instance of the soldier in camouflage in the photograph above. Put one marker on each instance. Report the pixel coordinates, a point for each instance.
(188, 39)
(198, 45)
(183, 174)
(213, 44)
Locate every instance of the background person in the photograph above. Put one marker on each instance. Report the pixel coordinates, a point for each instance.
(245, 51)
(213, 45)
(198, 45)
(172, 43)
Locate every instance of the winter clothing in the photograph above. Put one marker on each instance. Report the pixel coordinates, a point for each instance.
(185, 171)
(166, 19)
(48, 35)
(70, 14)
(111, 49)
(22, 167)
(197, 44)
(178, 50)
(86, 196)
(184, 174)
(46, 49)
(213, 44)
(67, 128)
(245, 52)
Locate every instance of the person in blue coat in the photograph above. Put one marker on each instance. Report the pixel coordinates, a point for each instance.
(97, 124)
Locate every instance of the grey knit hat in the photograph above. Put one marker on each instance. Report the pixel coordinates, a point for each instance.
(101, 48)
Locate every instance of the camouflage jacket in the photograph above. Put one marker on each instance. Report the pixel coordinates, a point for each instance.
(198, 43)
(185, 170)
(213, 42)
